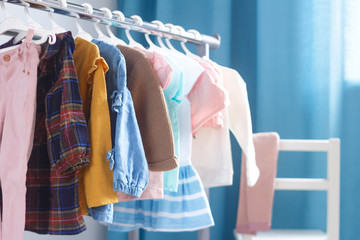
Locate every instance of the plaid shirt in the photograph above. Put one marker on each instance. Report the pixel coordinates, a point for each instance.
(61, 144)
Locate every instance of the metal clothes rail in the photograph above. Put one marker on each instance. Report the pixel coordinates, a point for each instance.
(203, 42)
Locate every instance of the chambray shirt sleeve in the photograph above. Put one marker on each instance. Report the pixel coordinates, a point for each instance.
(68, 140)
(127, 158)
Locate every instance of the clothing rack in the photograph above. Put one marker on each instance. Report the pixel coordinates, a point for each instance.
(202, 41)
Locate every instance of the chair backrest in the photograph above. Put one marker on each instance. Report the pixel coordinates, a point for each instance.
(331, 184)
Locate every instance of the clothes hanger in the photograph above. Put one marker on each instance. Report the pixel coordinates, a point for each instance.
(54, 26)
(167, 40)
(160, 26)
(12, 23)
(200, 38)
(37, 27)
(112, 39)
(197, 36)
(132, 43)
(139, 22)
(80, 31)
(120, 17)
(100, 34)
(152, 45)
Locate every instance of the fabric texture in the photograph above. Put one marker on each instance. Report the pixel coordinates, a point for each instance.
(160, 65)
(127, 158)
(154, 189)
(68, 145)
(150, 108)
(18, 80)
(216, 167)
(130, 171)
(255, 203)
(207, 91)
(216, 121)
(241, 124)
(187, 209)
(171, 79)
(188, 70)
(96, 179)
(173, 96)
(52, 205)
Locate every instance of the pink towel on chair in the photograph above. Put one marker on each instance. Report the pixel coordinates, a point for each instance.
(255, 203)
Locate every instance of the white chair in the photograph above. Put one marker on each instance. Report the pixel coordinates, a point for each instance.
(331, 184)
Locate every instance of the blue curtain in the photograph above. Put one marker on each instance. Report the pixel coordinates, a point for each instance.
(290, 53)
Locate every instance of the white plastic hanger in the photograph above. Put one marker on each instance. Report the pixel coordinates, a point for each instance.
(167, 40)
(132, 43)
(37, 27)
(118, 16)
(101, 36)
(197, 36)
(12, 23)
(121, 17)
(138, 21)
(54, 26)
(152, 46)
(80, 31)
(160, 26)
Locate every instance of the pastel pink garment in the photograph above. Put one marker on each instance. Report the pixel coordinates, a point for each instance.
(255, 203)
(18, 80)
(218, 119)
(208, 92)
(161, 67)
(216, 167)
(154, 189)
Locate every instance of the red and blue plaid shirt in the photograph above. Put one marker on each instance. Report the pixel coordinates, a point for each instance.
(61, 144)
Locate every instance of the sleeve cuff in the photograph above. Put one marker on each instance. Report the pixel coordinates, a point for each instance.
(165, 165)
(135, 191)
(71, 164)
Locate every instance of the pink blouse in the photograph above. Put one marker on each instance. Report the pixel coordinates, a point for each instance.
(207, 91)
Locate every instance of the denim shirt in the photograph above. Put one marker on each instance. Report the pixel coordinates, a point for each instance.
(127, 158)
